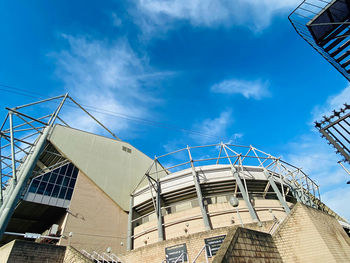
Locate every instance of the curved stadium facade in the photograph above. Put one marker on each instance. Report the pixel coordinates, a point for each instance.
(216, 186)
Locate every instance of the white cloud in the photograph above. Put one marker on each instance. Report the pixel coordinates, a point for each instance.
(117, 22)
(334, 102)
(212, 130)
(338, 200)
(256, 15)
(107, 76)
(249, 89)
(319, 161)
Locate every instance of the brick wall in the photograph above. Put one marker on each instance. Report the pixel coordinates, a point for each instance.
(31, 252)
(155, 253)
(19, 251)
(244, 246)
(309, 235)
(220, 215)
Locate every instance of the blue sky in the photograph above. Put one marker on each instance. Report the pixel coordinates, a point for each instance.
(232, 70)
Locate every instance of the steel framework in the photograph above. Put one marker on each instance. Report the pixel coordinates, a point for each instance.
(336, 130)
(324, 24)
(22, 141)
(302, 187)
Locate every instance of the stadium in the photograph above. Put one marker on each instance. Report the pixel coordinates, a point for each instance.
(73, 191)
(83, 196)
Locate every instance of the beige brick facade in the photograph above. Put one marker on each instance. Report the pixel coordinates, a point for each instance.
(155, 253)
(190, 221)
(245, 245)
(309, 235)
(95, 220)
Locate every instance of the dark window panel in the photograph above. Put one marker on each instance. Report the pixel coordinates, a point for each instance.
(63, 169)
(34, 186)
(59, 179)
(66, 181)
(41, 188)
(53, 178)
(62, 192)
(46, 177)
(56, 191)
(69, 194)
(48, 189)
(72, 183)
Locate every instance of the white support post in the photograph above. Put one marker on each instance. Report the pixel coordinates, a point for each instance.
(129, 242)
(278, 193)
(159, 213)
(199, 193)
(25, 172)
(1, 193)
(242, 189)
(13, 154)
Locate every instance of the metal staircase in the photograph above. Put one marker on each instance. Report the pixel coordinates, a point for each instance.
(102, 257)
(325, 25)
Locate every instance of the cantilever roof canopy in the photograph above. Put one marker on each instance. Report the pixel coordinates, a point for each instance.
(114, 166)
(36, 139)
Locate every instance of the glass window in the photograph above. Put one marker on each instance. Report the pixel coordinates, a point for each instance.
(53, 178)
(72, 183)
(41, 188)
(69, 194)
(62, 192)
(34, 186)
(66, 181)
(58, 183)
(48, 189)
(56, 191)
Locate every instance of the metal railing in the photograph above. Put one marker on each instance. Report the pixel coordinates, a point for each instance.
(301, 17)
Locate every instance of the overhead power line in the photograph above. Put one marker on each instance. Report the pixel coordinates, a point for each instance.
(94, 109)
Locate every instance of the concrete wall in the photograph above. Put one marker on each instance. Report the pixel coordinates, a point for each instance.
(95, 220)
(309, 235)
(220, 214)
(155, 253)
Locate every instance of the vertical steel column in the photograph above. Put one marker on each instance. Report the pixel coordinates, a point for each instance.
(159, 213)
(25, 172)
(53, 117)
(242, 189)
(1, 194)
(199, 193)
(129, 242)
(13, 159)
(277, 191)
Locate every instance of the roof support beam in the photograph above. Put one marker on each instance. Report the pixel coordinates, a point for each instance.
(159, 207)
(159, 214)
(1, 194)
(199, 193)
(13, 160)
(277, 191)
(242, 190)
(12, 199)
(129, 242)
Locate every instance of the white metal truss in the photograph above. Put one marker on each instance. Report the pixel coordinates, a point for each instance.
(291, 179)
(23, 135)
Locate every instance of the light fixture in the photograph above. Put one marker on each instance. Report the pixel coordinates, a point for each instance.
(234, 202)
